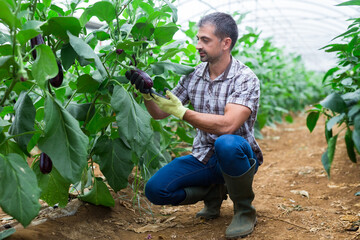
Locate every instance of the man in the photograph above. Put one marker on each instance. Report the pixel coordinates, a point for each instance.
(225, 96)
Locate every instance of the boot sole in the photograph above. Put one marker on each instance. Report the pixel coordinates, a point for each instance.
(243, 234)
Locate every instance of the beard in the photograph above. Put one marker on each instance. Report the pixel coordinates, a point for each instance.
(204, 57)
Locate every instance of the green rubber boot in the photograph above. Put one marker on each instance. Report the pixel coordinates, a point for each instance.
(195, 194)
(213, 201)
(241, 193)
(212, 195)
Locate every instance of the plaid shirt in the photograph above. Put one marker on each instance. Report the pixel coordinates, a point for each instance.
(238, 84)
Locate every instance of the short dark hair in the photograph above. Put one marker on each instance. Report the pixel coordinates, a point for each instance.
(225, 26)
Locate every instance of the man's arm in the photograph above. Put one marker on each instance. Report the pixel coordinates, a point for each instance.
(234, 117)
(154, 110)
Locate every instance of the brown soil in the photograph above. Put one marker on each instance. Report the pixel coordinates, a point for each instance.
(294, 200)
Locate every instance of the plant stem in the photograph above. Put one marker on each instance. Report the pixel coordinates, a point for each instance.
(72, 96)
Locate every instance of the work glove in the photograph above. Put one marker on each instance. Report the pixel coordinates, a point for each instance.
(171, 105)
(144, 86)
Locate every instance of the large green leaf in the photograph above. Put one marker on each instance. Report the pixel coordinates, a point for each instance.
(165, 33)
(334, 120)
(64, 141)
(19, 191)
(103, 10)
(59, 26)
(334, 102)
(54, 188)
(133, 122)
(163, 67)
(84, 50)
(99, 194)
(24, 120)
(115, 161)
(45, 66)
(7, 16)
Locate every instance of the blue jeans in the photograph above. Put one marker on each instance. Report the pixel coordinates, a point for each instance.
(166, 186)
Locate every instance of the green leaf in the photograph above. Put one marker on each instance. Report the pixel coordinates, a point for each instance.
(59, 26)
(68, 56)
(328, 156)
(99, 122)
(6, 50)
(103, 10)
(47, 3)
(133, 122)
(6, 233)
(64, 141)
(29, 30)
(45, 66)
(334, 102)
(350, 3)
(350, 145)
(356, 132)
(80, 111)
(19, 191)
(86, 84)
(165, 33)
(326, 162)
(54, 188)
(334, 120)
(351, 30)
(311, 120)
(328, 133)
(99, 194)
(174, 11)
(24, 120)
(181, 132)
(115, 161)
(332, 147)
(128, 45)
(7, 16)
(84, 50)
(161, 67)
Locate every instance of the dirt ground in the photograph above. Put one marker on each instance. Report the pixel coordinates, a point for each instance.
(293, 196)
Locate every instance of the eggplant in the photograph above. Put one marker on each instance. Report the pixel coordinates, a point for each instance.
(58, 79)
(119, 51)
(34, 42)
(45, 163)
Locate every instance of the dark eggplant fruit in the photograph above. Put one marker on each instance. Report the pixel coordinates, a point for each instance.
(34, 42)
(119, 51)
(45, 163)
(58, 79)
(143, 82)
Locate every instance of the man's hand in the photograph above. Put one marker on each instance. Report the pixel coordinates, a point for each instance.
(172, 105)
(142, 82)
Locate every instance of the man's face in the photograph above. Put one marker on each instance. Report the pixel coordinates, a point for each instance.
(209, 45)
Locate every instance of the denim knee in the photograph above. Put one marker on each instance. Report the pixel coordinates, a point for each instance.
(226, 144)
(152, 192)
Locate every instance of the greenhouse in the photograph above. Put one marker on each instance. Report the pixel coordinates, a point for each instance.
(179, 119)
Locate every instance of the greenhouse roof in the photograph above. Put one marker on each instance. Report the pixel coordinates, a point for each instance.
(301, 27)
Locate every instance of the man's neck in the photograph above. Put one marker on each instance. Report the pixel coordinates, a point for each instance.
(217, 68)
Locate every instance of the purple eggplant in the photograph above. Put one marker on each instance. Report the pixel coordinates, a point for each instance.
(58, 79)
(34, 42)
(45, 163)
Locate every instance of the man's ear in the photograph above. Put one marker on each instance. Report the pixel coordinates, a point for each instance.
(227, 43)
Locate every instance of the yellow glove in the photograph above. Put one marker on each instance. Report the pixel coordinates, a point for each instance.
(172, 105)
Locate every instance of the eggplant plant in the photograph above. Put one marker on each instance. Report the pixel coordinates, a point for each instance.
(341, 106)
(64, 92)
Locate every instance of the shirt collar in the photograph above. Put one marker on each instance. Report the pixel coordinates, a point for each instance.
(225, 74)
